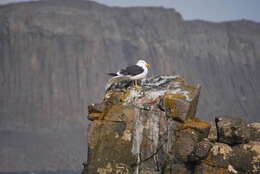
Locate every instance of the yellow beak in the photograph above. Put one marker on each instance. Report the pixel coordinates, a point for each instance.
(147, 65)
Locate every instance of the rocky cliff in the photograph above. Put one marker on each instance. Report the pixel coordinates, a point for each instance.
(153, 131)
(54, 55)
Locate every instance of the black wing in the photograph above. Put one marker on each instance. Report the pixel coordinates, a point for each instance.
(132, 70)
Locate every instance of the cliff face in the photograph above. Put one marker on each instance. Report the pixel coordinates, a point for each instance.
(54, 55)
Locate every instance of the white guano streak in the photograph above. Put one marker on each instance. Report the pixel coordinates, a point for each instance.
(138, 138)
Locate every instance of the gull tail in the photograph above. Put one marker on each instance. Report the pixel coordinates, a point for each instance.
(115, 79)
(112, 74)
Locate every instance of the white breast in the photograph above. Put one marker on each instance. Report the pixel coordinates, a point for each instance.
(142, 75)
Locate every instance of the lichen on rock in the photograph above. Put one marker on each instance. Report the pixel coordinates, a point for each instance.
(140, 123)
(153, 130)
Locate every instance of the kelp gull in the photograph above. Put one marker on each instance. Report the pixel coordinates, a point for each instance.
(133, 72)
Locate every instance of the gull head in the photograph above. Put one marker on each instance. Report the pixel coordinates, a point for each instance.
(142, 63)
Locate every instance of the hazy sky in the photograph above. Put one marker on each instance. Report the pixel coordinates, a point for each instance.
(213, 10)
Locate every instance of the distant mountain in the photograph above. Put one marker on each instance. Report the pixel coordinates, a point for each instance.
(54, 56)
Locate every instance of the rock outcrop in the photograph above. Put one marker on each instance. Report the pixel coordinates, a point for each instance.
(232, 130)
(153, 130)
(134, 129)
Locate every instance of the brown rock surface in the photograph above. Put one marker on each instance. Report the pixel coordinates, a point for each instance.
(110, 147)
(204, 168)
(254, 131)
(217, 161)
(232, 130)
(201, 127)
(201, 150)
(132, 121)
(246, 158)
(186, 141)
(191, 132)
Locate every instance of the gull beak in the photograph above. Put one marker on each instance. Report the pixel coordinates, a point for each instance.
(147, 65)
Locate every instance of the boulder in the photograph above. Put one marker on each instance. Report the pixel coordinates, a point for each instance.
(246, 158)
(200, 150)
(201, 128)
(219, 155)
(217, 161)
(232, 130)
(185, 144)
(204, 168)
(254, 131)
(176, 105)
(191, 132)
